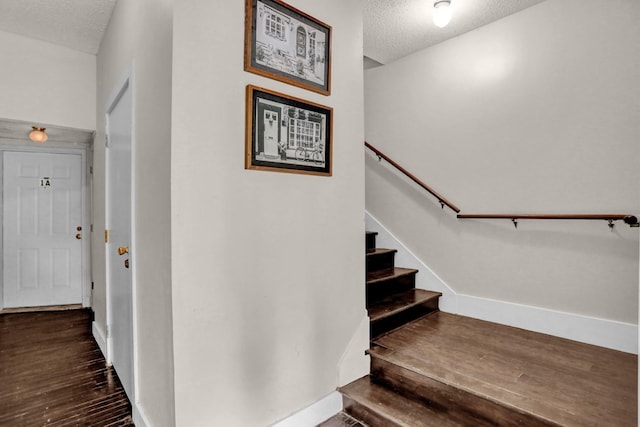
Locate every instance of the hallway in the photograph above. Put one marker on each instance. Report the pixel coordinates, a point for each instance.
(53, 373)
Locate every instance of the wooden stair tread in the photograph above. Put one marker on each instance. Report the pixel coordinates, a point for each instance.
(397, 302)
(382, 275)
(398, 410)
(557, 380)
(378, 251)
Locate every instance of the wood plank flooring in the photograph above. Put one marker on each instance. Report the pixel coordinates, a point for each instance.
(52, 373)
(341, 420)
(557, 380)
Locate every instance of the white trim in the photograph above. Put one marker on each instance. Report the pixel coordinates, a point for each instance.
(98, 335)
(315, 413)
(427, 279)
(2, 229)
(601, 332)
(140, 419)
(591, 330)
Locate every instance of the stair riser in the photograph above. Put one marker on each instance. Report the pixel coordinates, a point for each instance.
(382, 261)
(381, 289)
(370, 242)
(423, 389)
(390, 323)
(366, 415)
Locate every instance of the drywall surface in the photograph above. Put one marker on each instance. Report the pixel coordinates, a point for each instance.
(268, 268)
(535, 113)
(46, 84)
(137, 45)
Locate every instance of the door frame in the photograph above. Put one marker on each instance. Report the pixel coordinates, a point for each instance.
(126, 83)
(85, 206)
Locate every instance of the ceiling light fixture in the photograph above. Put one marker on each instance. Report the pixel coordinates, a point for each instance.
(38, 135)
(442, 13)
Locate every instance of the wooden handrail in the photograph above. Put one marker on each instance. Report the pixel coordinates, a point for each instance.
(409, 175)
(629, 219)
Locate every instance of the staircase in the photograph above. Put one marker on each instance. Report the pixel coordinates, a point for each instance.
(391, 294)
(430, 368)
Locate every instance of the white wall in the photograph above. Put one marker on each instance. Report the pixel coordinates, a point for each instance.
(535, 113)
(138, 43)
(46, 84)
(268, 268)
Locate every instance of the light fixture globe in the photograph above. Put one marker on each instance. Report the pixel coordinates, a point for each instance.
(38, 135)
(442, 13)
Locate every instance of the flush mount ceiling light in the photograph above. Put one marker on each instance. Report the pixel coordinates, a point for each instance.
(38, 135)
(442, 13)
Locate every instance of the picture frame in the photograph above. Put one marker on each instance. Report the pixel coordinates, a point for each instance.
(287, 134)
(286, 44)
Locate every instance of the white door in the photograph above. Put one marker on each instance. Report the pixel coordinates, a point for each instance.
(271, 122)
(42, 235)
(119, 261)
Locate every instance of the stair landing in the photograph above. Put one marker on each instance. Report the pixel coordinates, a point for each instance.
(456, 364)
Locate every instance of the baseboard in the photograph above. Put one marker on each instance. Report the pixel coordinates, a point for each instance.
(601, 332)
(315, 413)
(100, 338)
(139, 417)
(427, 279)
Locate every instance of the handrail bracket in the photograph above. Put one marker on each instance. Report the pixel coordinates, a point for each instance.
(630, 220)
(443, 201)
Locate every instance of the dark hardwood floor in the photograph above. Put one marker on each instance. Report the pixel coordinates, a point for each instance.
(52, 373)
(341, 420)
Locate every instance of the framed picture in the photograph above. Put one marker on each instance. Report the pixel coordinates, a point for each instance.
(285, 44)
(286, 134)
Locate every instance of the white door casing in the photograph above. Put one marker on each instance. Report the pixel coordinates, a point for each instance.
(43, 249)
(119, 214)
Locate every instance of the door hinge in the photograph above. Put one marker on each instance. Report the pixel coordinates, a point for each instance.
(92, 284)
(106, 236)
(91, 228)
(106, 140)
(108, 331)
(90, 170)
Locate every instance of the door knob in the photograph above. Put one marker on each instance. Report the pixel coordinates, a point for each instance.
(123, 250)
(79, 236)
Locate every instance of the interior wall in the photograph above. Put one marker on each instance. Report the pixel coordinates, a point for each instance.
(268, 268)
(138, 44)
(535, 113)
(45, 83)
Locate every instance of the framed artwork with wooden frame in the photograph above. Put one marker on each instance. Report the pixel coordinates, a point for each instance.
(286, 44)
(287, 134)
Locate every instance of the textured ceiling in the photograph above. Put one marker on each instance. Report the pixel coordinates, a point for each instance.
(397, 28)
(76, 24)
(392, 28)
